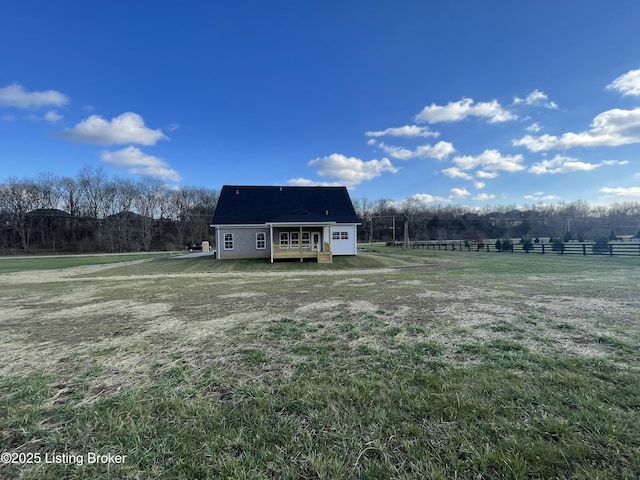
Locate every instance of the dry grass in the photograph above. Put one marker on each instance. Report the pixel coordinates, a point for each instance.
(96, 336)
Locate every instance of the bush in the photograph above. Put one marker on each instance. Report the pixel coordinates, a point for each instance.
(507, 245)
(527, 244)
(601, 245)
(557, 244)
(498, 245)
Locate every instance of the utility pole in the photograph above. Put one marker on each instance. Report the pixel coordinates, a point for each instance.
(393, 235)
(371, 231)
(406, 235)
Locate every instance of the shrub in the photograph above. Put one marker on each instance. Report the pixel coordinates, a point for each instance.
(600, 245)
(507, 245)
(527, 244)
(557, 244)
(498, 245)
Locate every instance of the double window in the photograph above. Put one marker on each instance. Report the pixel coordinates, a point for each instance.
(340, 235)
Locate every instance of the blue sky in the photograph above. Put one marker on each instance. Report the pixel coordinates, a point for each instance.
(446, 102)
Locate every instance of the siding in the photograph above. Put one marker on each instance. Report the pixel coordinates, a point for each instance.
(244, 243)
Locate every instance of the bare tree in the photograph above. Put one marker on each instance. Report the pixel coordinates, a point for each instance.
(19, 198)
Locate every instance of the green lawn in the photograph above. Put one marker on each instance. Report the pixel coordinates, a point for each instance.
(392, 364)
(22, 264)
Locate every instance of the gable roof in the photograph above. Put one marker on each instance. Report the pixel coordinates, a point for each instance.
(241, 204)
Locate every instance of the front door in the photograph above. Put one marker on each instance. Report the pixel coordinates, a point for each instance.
(315, 242)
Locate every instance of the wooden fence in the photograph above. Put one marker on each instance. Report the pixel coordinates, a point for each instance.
(612, 249)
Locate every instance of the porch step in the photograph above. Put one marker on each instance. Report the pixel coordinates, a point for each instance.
(325, 257)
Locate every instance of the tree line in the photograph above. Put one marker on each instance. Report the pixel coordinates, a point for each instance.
(384, 220)
(92, 212)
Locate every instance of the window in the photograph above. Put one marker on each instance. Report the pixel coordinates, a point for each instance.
(306, 239)
(344, 235)
(335, 235)
(295, 239)
(261, 242)
(284, 239)
(228, 241)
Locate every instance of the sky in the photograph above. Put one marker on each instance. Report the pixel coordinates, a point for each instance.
(444, 102)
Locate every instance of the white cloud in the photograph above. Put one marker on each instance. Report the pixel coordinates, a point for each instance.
(454, 193)
(455, 172)
(458, 193)
(536, 98)
(126, 128)
(456, 111)
(438, 151)
(611, 128)
(622, 191)
(427, 198)
(140, 164)
(305, 182)
(563, 164)
(484, 196)
(534, 128)
(406, 131)
(488, 175)
(627, 84)
(399, 153)
(16, 96)
(541, 197)
(350, 170)
(52, 116)
(490, 160)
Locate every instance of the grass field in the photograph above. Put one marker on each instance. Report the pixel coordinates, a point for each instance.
(392, 364)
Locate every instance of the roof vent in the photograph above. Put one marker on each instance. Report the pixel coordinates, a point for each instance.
(326, 212)
(280, 188)
(237, 192)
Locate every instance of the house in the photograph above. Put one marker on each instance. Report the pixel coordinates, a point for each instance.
(284, 222)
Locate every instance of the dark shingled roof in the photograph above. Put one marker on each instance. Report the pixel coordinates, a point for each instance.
(240, 204)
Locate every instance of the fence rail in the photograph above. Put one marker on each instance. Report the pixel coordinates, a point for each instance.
(612, 249)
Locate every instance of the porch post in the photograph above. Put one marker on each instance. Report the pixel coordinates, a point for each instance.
(271, 241)
(300, 243)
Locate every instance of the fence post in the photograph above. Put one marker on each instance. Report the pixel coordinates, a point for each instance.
(543, 248)
(611, 250)
(584, 250)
